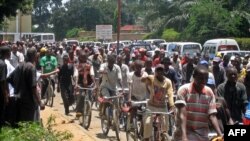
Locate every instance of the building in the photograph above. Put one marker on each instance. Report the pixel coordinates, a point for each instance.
(133, 29)
(16, 25)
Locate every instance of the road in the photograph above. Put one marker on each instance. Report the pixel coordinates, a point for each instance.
(94, 133)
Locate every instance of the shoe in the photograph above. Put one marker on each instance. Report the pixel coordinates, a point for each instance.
(78, 115)
(66, 112)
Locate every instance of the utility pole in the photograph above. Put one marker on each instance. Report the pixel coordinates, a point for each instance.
(118, 25)
(20, 25)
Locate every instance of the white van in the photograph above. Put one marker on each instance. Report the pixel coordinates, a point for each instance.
(44, 37)
(188, 47)
(71, 42)
(212, 47)
(170, 47)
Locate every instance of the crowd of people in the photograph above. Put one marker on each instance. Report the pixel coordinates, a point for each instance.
(210, 92)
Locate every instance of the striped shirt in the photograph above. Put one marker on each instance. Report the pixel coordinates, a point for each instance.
(199, 107)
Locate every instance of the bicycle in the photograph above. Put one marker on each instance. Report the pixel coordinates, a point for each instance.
(86, 112)
(158, 133)
(123, 103)
(49, 93)
(96, 94)
(134, 123)
(110, 116)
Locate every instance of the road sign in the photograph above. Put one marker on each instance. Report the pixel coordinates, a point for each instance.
(104, 32)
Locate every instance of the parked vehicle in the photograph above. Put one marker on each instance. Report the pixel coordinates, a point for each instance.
(156, 42)
(110, 45)
(212, 47)
(241, 53)
(187, 47)
(170, 47)
(71, 42)
(139, 45)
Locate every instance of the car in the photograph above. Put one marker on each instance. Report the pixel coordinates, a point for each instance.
(110, 45)
(155, 42)
(241, 53)
(139, 45)
(151, 53)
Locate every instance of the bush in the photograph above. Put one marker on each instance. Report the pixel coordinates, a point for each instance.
(73, 33)
(244, 43)
(32, 131)
(151, 35)
(170, 35)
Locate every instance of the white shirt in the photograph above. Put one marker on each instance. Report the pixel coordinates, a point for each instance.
(15, 59)
(10, 69)
(110, 79)
(125, 72)
(138, 89)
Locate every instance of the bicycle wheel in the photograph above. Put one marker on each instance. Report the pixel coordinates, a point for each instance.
(86, 114)
(95, 99)
(171, 127)
(116, 123)
(132, 130)
(50, 97)
(105, 120)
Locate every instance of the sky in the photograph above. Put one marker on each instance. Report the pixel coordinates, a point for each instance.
(64, 1)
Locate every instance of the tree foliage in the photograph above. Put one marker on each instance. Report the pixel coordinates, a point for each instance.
(9, 7)
(42, 13)
(170, 35)
(193, 19)
(210, 20)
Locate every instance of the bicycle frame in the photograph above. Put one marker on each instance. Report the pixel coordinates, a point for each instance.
(157, 123)
(112, 114)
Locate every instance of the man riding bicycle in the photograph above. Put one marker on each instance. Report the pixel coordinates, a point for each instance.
(48, 65)
(85, 79)
(160, 89)
(138, 89)
(111, 75)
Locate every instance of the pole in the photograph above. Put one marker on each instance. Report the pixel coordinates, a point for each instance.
(118, 25)
(20, 25)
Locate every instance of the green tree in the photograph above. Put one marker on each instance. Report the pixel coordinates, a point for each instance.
(42, 13)
(9, 7)
(170, 35)
(209, 20)
(60, 23)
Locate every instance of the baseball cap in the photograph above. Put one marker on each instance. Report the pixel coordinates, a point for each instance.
(65, 55)
(216, 59)
(157, 49)
(159, 67)
(142, 50)
(203, 62)
(43, 49)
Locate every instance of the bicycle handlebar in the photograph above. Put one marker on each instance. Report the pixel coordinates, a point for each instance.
(138, 103)
(81, 88)
(113, 97)
(160, 113)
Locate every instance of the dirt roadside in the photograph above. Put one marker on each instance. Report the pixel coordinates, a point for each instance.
(62, 123)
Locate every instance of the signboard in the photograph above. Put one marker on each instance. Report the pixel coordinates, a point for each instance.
(104, 32)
